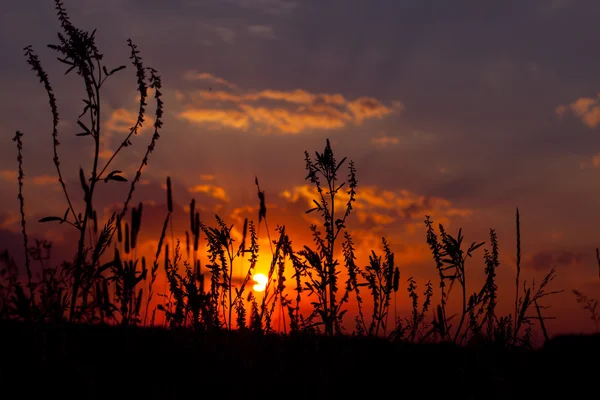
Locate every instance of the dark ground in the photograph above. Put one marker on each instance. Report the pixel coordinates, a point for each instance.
(99, 362)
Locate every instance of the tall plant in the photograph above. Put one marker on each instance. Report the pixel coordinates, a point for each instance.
(77, 50)
(323, 270)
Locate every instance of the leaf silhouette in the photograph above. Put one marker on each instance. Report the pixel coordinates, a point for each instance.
(48, 219)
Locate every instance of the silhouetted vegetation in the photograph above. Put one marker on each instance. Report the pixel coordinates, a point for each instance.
(81, 316)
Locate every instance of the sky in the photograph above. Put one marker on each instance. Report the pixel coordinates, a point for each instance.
(461, 110)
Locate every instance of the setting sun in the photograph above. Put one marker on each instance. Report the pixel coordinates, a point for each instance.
(261, 282)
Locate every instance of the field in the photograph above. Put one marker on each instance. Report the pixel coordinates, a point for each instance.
(98, 362)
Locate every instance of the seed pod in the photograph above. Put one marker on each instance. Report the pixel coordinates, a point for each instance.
(169, 195)
(119, 230)
(126, 238)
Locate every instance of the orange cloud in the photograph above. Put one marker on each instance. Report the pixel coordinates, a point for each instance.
(404, 139)
(380, 207)
(9, 220)
(593, 162)
(105, 154)
(217, 95)
(120, 121)
(366, 108)
(294, 121)
(406, 252)
(205, 76)
(9, 175)
(239, 213)
(290, 112)
(215, 191)
(383, 141)
(44, 180)
(179, 95)
(585, 108)
(228, 118)
(297, 96)
(377, 218)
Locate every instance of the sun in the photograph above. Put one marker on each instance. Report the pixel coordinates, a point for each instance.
(261, 282)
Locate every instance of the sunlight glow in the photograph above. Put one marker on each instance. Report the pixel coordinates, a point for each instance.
(261, 282)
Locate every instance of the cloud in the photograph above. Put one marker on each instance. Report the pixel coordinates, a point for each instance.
(41, 180)
(9, 219)
(207, 177)
(367, 108)
(376, 217)
(561, 4)
(209, 33)
(9, 175)
(215, 191)
(376, 207)
(544, 260)
(44, 180)
(295, 121)
(297, 97)
(205, 76)
(228, 118)
(593, 162)
(383, 141)
(405, 139)
(276, 111)
(406, 254)
(227, 35)
(120, 122)
(552, 9)
(263, 31)
(587, 109)
(272, 7)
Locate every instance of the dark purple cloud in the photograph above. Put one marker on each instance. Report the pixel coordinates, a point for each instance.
(545, 260)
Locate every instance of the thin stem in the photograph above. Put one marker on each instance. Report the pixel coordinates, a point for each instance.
(19, 141)
(33, 60)
(518, 275)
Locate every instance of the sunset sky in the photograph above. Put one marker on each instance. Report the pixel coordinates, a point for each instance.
(463, 110)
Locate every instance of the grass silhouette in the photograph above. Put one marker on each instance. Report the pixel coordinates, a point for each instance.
(89, 326)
